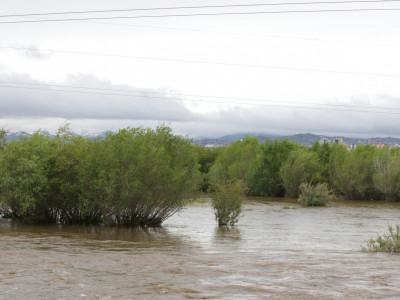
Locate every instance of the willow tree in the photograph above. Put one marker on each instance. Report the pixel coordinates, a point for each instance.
(301, 166)
(237, 162)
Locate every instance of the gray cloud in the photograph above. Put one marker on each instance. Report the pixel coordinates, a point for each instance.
(26, 109)
(42, 101)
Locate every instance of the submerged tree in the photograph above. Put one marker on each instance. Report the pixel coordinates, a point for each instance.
(315, 195)
(227, 201)
(133, 177)
(389, 242)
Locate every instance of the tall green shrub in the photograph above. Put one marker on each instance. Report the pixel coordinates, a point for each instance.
(227, 201)
(301, 166)
(315, 195)
(386, 177)
(351, 172)
(237, 162)
(267, 179)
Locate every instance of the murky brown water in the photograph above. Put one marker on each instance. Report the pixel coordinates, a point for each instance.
(273, 253)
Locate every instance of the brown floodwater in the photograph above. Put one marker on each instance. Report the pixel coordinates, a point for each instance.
(272, 253)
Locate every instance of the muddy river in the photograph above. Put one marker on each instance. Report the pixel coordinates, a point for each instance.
(273, 253)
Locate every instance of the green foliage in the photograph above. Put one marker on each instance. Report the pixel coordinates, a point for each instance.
(237, 162)
(267, 179)
(386, 177)
(351, 172)
(389, 242)
(3, 134)
(227, 201)
(206, 158)
(301, 166)
(324, 153)
(134, 177)
(315, 195)
(23, 178)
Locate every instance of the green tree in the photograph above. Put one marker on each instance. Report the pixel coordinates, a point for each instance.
(301, 166)
(324, 153)
(206, 158)
(237, 162)
(227, 201)
(267, 179)
(386, 177)
(351, 172)
(23, 178)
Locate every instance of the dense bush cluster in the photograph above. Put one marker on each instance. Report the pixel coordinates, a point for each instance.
(315, 195)
(133, 177)
(277, 168)
(142, 176)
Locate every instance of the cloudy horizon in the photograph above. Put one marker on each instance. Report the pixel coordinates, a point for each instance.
(330, 74)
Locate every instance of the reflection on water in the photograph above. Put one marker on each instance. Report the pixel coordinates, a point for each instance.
(272, 253)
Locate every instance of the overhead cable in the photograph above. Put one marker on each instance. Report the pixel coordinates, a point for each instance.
(199, 100)
(186, 95)
(209, 62)
(200, 7)
(206, 14)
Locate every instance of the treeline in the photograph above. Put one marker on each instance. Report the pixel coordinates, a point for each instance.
(278, 168)
(142, 176)
(133, 177)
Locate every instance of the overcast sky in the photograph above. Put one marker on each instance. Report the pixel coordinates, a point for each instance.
(334, 73)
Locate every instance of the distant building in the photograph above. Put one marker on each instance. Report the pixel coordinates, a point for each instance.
(338, 141)
(323, 140)
(380, 145)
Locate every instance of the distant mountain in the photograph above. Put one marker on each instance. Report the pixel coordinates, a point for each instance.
(306, 139)
(21, 134)
(303, 138)
(16, 135)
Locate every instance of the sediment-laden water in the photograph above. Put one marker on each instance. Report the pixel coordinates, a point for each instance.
(273, 253)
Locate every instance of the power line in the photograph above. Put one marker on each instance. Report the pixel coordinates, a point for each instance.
(253, 34)
(199, 7)
(186, 95)
(205, 14)
(221, 102)
(250, 34)
(208, 62)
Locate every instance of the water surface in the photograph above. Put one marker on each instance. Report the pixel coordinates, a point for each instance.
(273, 253)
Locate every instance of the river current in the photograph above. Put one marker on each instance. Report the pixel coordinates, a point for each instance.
(278, 250)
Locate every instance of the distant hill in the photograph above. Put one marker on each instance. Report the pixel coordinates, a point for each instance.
(306, 139)
(303, 138)
(16, 135)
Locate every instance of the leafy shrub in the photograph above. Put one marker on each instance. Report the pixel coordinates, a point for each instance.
(133, 177)
(300, 166)
(315, 195)
(386, 243)
(227, 201)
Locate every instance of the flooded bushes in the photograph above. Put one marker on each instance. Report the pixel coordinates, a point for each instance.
(389, 242)
(227, 201)
(133, 177)
(315, 195)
